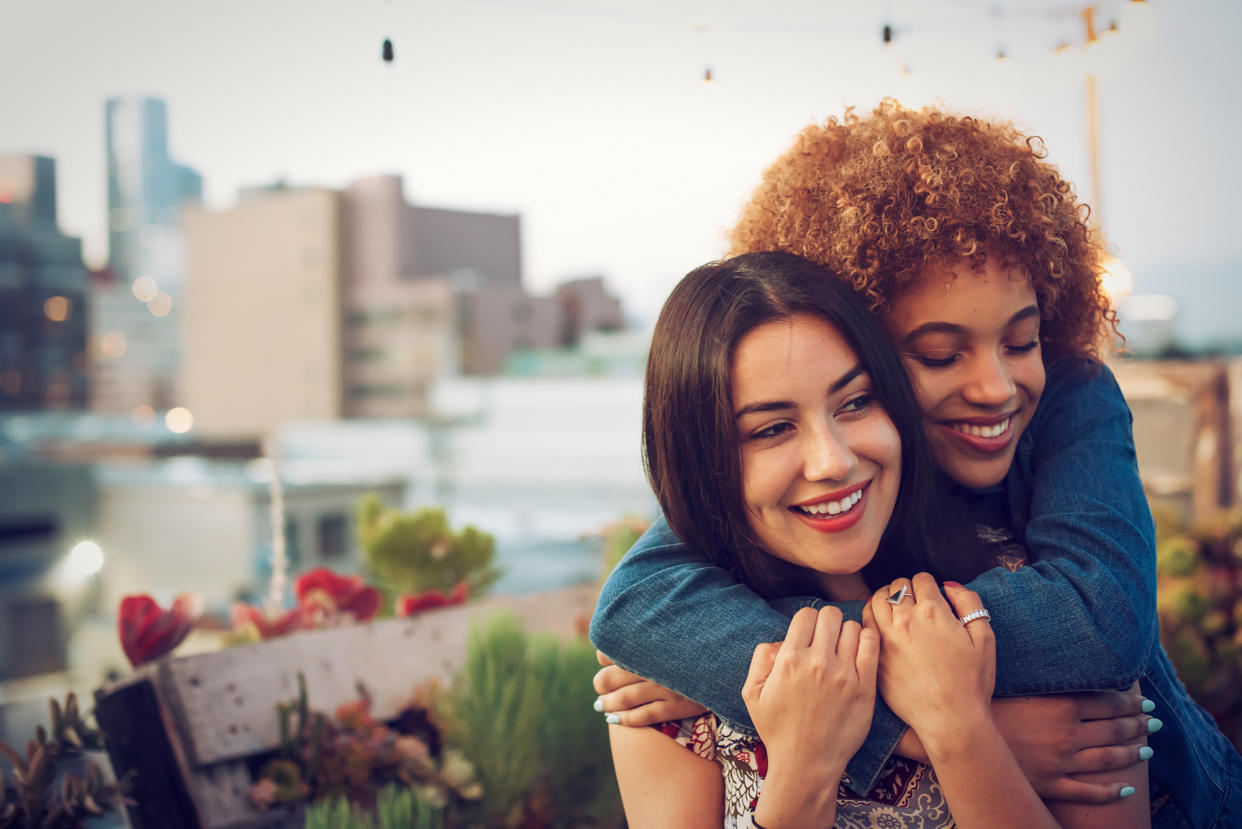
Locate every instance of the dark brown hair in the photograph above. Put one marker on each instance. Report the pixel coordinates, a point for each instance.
(692, 450)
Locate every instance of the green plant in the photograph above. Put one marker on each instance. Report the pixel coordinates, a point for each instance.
(412, 553)
(37, 802)
(395, 808)
(620, 537)
(1199, 603)
(521, 711)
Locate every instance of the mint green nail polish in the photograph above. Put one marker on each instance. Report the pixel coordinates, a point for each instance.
(1126, 791)
(1154, 725)
(599, 705)
(1148, 706)
(1145, 752)
(612, 719)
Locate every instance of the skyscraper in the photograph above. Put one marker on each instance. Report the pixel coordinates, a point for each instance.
(42, 293)
(138, 309)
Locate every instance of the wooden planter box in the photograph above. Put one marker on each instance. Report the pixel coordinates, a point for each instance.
(187, 727)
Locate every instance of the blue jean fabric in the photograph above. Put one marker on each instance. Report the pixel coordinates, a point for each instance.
(1081, 617)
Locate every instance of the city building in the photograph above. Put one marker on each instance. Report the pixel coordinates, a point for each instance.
(43, 294)
(313, 304)
(136, 315)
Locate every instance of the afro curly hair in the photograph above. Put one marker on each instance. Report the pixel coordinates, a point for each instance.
(881, 198)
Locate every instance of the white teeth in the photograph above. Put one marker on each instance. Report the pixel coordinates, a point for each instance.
(982, 431)
(834, 507)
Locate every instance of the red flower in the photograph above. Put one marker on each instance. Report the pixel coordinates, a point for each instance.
(245, 616)
(147, 631)
(329, 593)
(409, 605)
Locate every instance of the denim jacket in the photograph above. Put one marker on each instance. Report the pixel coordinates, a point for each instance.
(1081, 616)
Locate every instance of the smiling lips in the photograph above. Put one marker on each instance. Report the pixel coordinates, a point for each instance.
(986, 435)
(835, 511)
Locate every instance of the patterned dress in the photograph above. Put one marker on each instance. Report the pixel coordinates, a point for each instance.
(906, 795)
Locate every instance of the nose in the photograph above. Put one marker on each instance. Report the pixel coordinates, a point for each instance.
(990, 383)
(829, 457)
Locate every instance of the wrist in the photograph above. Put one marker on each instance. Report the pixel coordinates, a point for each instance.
(957, 734)
(799, 797)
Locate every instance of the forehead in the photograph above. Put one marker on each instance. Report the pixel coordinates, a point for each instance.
(959, 293)
(782, 352)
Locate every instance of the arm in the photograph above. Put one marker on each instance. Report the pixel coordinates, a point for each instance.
(662, 609)
(1082, 616)
(664, 784)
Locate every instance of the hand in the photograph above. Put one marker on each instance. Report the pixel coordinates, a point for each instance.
(1054, 737)
(638, 702)
(811, 697)
(934, 671)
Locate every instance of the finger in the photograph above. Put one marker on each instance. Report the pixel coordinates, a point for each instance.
(828, 629)
(1093, 733)
(1105, 705)
(868, 659)
(847, 642)
(1078, 791)
(601, 659)
(927, 591)
(658, 712)
(802, 628)
(633, 696)
(895, 587)
(965, 602)
(761, 663)
(1109, 758)
(611, 678)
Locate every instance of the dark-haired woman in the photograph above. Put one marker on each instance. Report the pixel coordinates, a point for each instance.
(780, 432)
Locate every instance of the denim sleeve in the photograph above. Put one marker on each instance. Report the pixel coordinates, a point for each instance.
(1083, 615)
(666, 615)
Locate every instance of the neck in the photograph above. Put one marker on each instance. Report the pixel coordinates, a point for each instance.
(848, 587)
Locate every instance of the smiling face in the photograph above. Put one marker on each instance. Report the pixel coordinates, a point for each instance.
(821, 461)
(969, 341)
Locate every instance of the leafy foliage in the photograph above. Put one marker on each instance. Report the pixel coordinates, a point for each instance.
(395, 808)
(412, 553)
(1199, 602)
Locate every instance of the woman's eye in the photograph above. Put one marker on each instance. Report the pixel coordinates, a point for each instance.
(1024, 348)
(858, 404)
(775, 430)
(936, 362)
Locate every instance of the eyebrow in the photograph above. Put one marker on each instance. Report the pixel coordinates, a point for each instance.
(952, 328)
(776, 405)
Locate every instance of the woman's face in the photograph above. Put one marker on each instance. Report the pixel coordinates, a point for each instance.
(969, 342)
(821, 461)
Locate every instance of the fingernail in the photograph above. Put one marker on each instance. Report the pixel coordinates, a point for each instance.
(1154, 725)
(1126, 791)
(1148, 706)
(599, 705)
(612, 719)
(1145, 752)
(951, 584)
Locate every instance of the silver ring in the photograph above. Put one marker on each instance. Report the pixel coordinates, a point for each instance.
(981, 613)
(897, 597)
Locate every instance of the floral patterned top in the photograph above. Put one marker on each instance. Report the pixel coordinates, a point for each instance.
(906, 795)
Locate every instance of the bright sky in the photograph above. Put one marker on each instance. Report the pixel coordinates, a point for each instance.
(591, 117)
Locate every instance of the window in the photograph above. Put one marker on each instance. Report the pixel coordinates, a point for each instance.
(332, 534)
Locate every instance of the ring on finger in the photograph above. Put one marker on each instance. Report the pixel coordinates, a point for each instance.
(981, 613)
(898, 597)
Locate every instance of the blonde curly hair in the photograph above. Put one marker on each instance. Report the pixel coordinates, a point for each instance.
(881, 198)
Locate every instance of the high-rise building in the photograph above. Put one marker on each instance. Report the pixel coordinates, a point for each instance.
(43, 294)
(137, 304)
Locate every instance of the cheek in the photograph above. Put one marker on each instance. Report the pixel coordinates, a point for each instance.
(926, 390)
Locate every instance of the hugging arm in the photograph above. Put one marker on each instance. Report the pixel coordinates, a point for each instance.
(1082, 616)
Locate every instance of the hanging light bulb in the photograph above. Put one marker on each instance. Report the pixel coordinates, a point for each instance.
(886, 35)
(707, 75)
(1000, 55)
(387, 51)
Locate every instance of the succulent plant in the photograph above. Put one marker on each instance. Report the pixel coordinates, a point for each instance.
(36, 801)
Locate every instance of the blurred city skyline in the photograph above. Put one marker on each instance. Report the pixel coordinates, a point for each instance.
(593, 121)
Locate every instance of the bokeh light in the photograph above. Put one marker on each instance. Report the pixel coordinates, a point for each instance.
(57, 308)
(143, 416)
(161, 304)
(144, 289)
(179, 420)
